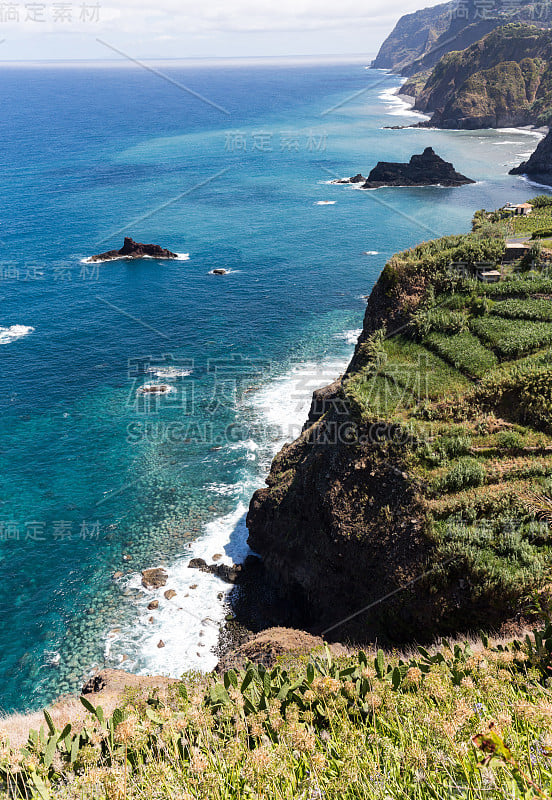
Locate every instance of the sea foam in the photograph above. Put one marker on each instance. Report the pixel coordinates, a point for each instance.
(14, 332)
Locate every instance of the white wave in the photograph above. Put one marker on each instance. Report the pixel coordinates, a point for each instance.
(14, 332)
(326, 202)
(169, 372)
(189, 623)
(284, 403)
(351, 337)
(523, 131)
(397, 106)
(370, 253)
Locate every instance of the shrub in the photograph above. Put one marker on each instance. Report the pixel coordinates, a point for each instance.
(541, 201)
(538, 309)
(511, 337)
(438, 319)
(455, 446)
(541, 233)
(479, 305)
(466, 472)
(509, 440)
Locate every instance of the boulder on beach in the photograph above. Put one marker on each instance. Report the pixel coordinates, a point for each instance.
(132, 249)
(154, 578)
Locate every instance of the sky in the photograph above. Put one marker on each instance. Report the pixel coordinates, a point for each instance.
(161, 29)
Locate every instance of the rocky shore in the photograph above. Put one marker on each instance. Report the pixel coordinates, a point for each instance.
(539, 165)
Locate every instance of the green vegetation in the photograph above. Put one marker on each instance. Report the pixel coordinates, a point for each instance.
(462, 720)
(502, 79)
(534, 308)
(464, 351)
(479, 444)
(512, 337)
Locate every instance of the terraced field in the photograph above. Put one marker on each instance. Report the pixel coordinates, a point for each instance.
(472, 382)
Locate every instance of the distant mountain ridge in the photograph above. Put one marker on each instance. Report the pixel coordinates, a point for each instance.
(420, 39)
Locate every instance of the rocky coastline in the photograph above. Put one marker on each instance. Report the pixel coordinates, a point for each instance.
(538, 167)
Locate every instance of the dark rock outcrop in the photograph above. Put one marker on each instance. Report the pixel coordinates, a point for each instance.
(132, 249)
(355, 179)
(228, 574)
(426, 169)
(539, 165)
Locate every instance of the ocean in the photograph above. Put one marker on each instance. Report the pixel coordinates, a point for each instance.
(229, 166)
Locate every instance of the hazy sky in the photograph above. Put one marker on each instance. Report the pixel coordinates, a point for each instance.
(203, 28)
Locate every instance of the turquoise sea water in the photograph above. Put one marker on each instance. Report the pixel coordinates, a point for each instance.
(94, 481)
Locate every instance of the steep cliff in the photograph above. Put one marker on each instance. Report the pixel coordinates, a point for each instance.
(413, 35)
(502, 80)
(539, 165)
(408, 496)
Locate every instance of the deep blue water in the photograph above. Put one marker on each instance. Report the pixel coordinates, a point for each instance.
(89, 474)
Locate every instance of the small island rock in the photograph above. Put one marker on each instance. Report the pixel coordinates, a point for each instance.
(132, 249)
(424, 169)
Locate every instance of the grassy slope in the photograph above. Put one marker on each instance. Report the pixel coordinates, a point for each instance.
(464, 720)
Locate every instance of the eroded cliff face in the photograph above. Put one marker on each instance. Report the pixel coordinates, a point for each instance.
(340, 526)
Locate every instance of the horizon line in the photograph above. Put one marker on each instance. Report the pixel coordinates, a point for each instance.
(194, 60)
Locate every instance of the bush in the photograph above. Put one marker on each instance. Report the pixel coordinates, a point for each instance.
(466, 472)
(512, 337)
(509, 440)
(541, 201)
(455, 446)
(541, 233)
(517, 308)
(425, 321)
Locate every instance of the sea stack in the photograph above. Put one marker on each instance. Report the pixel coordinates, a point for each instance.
(425, 169)
(132, 249)
(539, 165)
